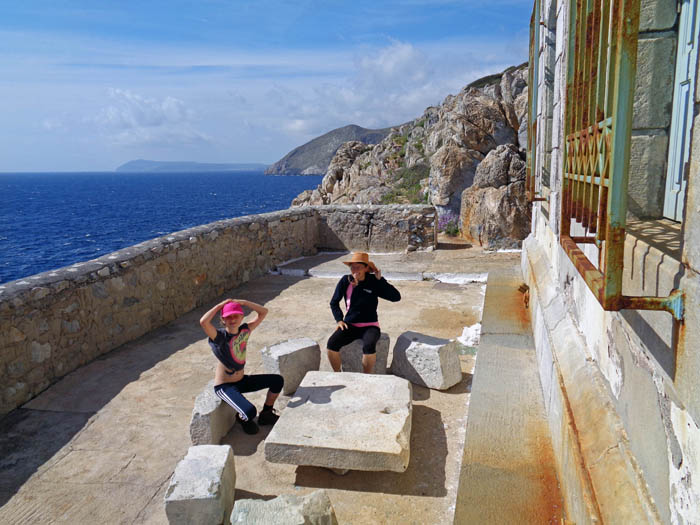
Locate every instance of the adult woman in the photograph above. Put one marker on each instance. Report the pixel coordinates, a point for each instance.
(229, 347)
(361, 290)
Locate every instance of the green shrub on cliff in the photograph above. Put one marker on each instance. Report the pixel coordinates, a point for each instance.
(407, 188)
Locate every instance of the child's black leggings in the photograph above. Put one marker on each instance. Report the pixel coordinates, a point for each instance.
(232, 393)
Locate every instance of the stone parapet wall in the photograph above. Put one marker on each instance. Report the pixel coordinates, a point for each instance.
(375, 228)
(53, 322)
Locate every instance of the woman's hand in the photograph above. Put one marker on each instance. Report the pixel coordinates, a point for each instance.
(342, 325)
(378, 274)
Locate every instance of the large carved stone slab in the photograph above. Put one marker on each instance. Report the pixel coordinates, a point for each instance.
(426, 361)
(345, 421)
(211, 418)
(292, 359)
(351, 356)
(287, 509)
(202, 487)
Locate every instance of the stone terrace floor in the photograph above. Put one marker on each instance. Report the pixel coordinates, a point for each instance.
(100, 445)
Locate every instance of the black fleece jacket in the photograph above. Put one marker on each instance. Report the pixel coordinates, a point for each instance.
(363, 303)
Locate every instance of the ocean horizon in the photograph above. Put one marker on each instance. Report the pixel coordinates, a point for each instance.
(49, 220)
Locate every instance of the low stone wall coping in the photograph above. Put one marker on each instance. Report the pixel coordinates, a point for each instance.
(87, 271)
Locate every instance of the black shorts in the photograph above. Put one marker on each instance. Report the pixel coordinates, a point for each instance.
(368, 334)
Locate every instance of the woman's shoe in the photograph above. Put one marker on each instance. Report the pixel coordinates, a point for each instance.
(249, 427)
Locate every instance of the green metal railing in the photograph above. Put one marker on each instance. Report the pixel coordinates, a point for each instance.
(601, 73)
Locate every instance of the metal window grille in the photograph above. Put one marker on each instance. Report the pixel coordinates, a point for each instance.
(601, 73)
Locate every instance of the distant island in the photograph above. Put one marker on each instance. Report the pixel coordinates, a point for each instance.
(165, 166)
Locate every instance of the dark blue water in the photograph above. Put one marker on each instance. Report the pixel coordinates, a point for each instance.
(51, 220)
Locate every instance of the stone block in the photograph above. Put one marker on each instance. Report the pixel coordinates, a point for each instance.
(202, 487)
(211, 418)
(345, 421)
(312, 509)
(351, 356)
(426, 361)
(657, 15)
(292, 359)
(647, 174)
(656, 59)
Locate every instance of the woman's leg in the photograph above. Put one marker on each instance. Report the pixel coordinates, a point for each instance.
(369, 348)
(338, 340)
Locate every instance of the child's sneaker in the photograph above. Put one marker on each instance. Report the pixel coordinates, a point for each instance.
(268, 417)
(249, 427)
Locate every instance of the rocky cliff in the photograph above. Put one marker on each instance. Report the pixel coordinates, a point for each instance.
(314, 157)
(434, 159)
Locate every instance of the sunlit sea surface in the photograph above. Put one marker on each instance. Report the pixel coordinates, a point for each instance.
(51, 220)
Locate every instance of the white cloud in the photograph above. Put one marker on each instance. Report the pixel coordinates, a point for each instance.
(134, 119)
(384, 87)
(182, 102)
(52, 124)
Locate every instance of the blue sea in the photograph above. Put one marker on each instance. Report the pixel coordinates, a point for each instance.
(51, 220)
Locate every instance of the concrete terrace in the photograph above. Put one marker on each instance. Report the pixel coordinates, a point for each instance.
(100, 445)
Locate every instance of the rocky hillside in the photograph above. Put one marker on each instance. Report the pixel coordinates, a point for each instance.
(314, 157)
(435, 158)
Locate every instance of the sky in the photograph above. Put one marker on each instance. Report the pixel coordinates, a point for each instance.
(88, 85)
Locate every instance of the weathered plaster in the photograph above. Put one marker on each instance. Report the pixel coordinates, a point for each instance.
(639, 404)
(684, 480)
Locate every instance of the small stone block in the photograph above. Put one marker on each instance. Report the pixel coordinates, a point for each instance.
(202, 487)
(292, 359)
(351, 357)
(211, 418)
(345, 421)
(426, 361)
(312, 509)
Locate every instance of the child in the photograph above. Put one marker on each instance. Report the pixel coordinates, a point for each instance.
(229, 347)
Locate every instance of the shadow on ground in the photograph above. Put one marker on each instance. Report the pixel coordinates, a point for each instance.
(30, 436)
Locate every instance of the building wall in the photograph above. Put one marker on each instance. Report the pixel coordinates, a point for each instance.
(621, 388)
(651, 118)
(54, 322)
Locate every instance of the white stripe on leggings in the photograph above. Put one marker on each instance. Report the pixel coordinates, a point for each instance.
(228, 400)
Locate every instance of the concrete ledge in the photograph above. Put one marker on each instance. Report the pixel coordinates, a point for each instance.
(599, 476)
(507, 473)
(345, 421)
(211, 418)
(202, 487)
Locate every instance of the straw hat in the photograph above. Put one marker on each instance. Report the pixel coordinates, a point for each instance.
(361, 257)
